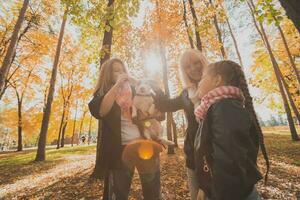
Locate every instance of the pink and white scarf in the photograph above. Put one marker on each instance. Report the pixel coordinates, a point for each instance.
(215, 95)
(124, 100)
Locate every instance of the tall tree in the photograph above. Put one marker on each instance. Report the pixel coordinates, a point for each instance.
(20, 97)
(81, 124)
(64, 128)
(104, 55)
(108, 34)
(90, 130)
(41, 151)
(196, 26)
(188, 30)
(269, 12)
(260, 28)
(66, 93)
(174, 132)
(11, 49)
(219, 33)
(74, 124)
(33, 19)
(109, 18)
(62, 121)
(162, 52)
(292, 103)
(233, 37)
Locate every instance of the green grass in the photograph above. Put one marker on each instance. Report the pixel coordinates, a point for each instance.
(15, 165)
(279, 130)
(282, 148)
(19, 158)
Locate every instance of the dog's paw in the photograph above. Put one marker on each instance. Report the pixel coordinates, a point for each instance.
(167, 142)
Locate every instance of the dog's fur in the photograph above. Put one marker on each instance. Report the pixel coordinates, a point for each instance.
(143, 102)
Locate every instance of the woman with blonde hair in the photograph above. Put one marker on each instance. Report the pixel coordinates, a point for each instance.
(192, 63)
(112, 103)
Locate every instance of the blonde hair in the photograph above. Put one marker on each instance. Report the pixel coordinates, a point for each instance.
(185, 61)
(105, 79)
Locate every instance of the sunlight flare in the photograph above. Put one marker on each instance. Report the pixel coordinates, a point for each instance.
(152, 62)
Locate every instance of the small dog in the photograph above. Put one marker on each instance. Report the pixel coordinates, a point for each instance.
(143, 104)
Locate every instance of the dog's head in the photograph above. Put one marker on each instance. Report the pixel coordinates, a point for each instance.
(143, 87)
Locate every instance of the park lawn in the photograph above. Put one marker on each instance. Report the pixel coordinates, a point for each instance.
(279, 130)
(277, 140)
(280, 146)
(15, 165)
(20, 158)
(283, 148)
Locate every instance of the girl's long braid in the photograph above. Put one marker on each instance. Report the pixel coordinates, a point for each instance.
(249, 106)
(234, 75)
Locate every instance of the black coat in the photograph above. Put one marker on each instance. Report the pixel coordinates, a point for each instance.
(228, 141)
(110, 142)
(165, 104)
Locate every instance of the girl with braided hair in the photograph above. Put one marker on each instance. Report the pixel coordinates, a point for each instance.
(229, 135)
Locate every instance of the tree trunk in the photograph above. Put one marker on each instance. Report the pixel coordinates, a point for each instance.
(166, 86)
(40, 156)
(234, 42)
(187, 25)
(292, 103)
(216, 23)
(163, 58)
(74, 125)
(264, 37)
(11, 49)
(195, 19)
(90, 130)
(174, 132)
(289, 54)
(107, 38)
(7, 78)
(20, 105)
(20, 146)
(104, 55)
(63, 131)
(60, 126)
(81, 125)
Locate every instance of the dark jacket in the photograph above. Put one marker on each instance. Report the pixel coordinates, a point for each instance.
(228, 141)
(110, 142)
(165, 104)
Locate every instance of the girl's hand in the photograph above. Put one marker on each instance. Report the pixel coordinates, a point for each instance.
(121, 80)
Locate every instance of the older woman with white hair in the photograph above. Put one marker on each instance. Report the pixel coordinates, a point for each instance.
(192, 63)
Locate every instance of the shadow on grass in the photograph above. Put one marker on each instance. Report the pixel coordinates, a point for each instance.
(80, 186)
(281, 147)
(16, 166)
(10, 173)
